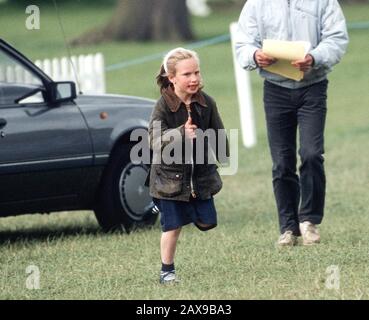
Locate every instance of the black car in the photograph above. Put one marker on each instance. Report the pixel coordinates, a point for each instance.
(62, 152)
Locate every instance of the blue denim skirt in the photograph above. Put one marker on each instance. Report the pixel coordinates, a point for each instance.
(175, 214)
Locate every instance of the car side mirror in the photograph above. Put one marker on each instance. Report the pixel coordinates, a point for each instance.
(62, 91)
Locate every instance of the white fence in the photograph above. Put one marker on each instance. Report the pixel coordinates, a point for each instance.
(89, 70)
(15, 74)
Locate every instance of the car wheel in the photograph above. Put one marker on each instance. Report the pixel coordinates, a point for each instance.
(123, 200)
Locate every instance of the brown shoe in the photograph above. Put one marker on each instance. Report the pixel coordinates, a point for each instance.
(309, 232)
(287, 239)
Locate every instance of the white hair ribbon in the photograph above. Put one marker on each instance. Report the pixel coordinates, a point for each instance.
(168, 55)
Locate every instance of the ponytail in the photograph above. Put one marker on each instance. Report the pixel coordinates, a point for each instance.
(162, 79)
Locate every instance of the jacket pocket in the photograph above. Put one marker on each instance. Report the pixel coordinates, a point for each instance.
(169, 181)
(209, 183)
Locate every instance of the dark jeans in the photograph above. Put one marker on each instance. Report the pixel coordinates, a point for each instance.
(301, 198)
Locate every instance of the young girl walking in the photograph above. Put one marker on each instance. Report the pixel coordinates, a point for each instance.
(183, 190)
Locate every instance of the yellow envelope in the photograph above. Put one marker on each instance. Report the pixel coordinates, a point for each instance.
(286, 52)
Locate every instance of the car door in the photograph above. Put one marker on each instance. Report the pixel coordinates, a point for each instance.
(44, 148)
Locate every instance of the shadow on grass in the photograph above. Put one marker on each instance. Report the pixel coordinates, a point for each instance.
(47, 235)
(51, 234)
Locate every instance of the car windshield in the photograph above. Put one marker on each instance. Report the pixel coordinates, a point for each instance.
(15, 80)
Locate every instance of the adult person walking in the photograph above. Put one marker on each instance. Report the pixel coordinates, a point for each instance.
(290, 105)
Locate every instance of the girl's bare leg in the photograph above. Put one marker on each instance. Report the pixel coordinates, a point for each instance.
(168, 245)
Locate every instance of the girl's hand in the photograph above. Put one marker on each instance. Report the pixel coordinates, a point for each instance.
(190, 129)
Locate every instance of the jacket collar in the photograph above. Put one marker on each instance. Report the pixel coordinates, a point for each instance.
(174, 103)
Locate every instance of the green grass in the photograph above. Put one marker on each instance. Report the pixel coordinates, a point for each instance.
(238, 259)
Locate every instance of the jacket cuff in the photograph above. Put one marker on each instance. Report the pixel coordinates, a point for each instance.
(254, 58)
(252, 61)
(317, 59)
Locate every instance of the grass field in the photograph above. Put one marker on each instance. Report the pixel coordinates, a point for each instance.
(238, 259)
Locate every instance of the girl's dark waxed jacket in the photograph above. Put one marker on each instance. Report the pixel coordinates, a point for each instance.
(188, 175)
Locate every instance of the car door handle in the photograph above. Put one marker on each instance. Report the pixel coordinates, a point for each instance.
(3, 123)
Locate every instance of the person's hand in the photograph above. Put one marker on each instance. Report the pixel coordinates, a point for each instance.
(190, 129)
(304, 64)
(262, 59)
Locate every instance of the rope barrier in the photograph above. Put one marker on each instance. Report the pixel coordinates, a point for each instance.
(205, 43)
